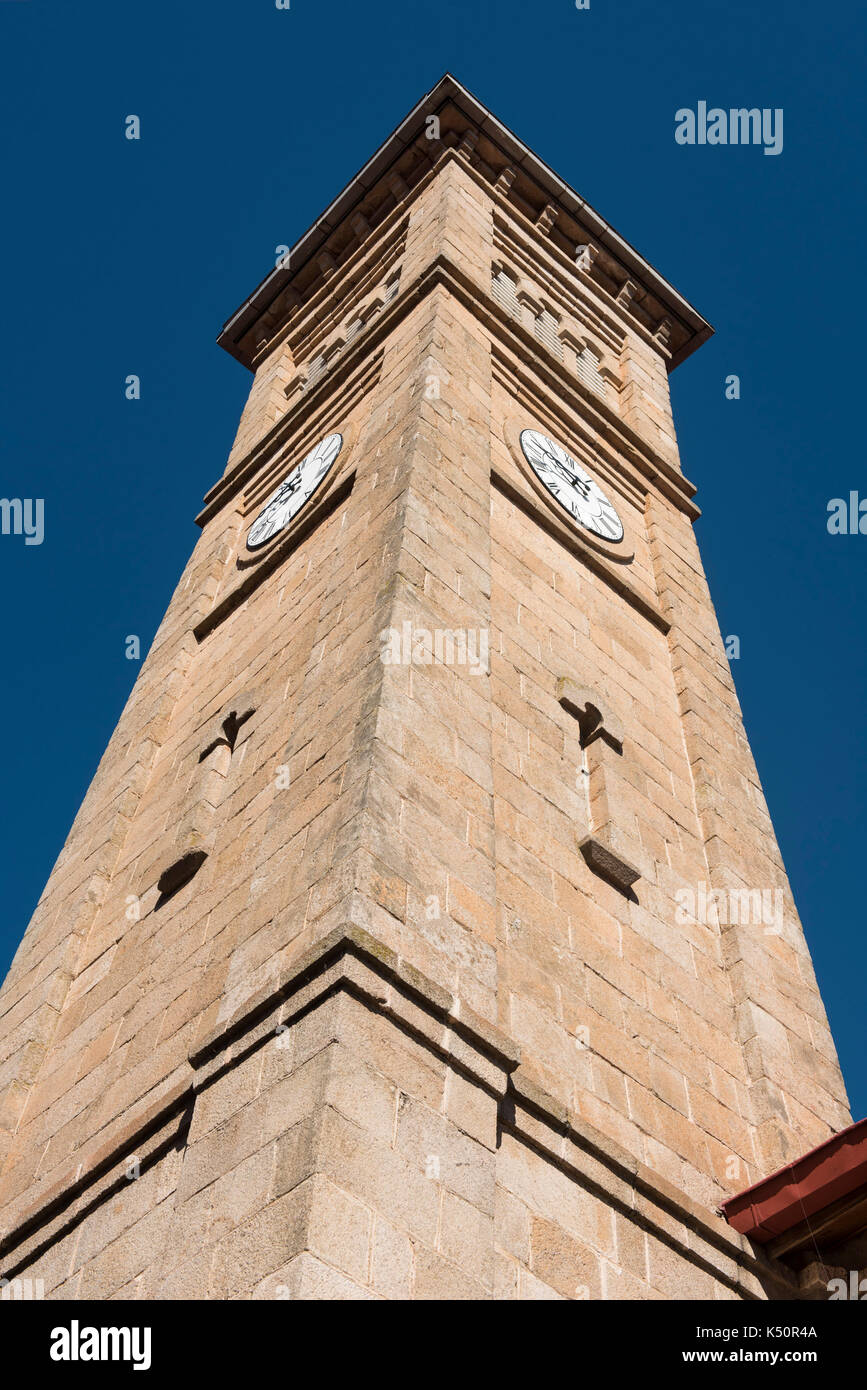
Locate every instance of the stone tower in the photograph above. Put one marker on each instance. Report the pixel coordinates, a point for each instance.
(423, 933)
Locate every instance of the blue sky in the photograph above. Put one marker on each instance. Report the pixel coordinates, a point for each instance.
(125, 257)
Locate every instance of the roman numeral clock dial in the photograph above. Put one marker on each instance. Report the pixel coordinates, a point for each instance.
(286, 502)
(569, 485)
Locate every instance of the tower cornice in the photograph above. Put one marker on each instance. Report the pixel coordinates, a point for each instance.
(477, 135)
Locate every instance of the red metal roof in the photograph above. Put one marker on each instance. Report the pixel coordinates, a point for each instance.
(793, 1194)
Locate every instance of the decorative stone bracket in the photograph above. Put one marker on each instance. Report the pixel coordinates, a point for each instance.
(197, 830)
(602, 738)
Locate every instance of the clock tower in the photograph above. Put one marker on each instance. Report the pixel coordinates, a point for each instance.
(423, 932)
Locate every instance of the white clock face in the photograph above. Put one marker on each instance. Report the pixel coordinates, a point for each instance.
(574, 489)
(286, 502)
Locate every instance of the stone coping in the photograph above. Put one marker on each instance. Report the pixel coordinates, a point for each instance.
(352, 960)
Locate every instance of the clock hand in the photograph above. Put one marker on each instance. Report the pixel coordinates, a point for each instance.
(557, 467)
(569, 476)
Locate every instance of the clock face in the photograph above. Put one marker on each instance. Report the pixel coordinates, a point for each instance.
(574, 489)
(285, 504)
